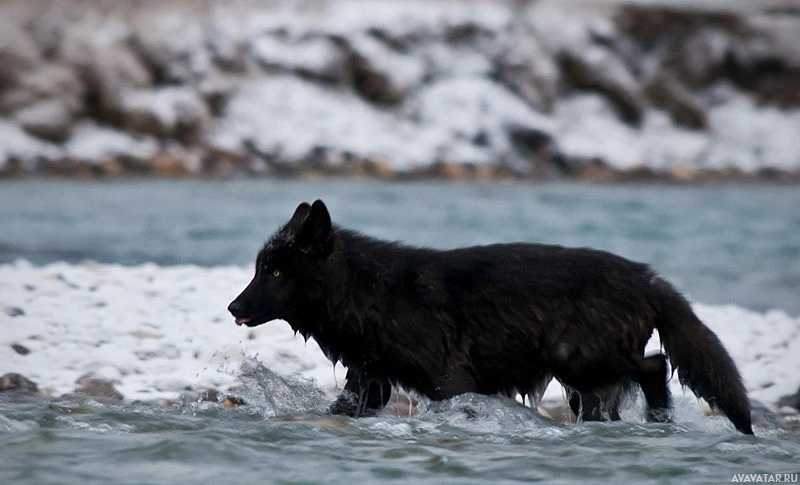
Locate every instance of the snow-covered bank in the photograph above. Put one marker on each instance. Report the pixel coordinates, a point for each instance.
(540, 89)
(156, 330)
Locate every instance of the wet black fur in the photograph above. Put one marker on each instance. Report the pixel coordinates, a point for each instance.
(503, 318)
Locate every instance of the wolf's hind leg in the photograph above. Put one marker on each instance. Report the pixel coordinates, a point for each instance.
(598, 404)
(653, 381)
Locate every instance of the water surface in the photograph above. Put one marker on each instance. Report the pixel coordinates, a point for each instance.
(469, 439)
(733, 244)
(725, 244)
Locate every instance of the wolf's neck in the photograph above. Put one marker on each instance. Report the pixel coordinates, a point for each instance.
(364, 279)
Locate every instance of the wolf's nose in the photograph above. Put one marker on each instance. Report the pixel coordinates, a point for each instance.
(235, 308)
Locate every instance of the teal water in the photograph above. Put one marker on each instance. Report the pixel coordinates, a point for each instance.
(469, 439)
(721, 245)
(732, 244)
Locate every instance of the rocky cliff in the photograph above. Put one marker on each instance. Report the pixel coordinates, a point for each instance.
(460, 89)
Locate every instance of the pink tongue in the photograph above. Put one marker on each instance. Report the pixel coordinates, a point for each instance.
(240, 321)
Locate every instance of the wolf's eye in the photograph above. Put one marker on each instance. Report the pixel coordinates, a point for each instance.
(276, 273)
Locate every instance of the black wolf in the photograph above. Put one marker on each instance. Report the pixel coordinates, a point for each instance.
(498, 319)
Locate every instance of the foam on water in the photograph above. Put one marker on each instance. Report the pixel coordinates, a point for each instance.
(14, 426)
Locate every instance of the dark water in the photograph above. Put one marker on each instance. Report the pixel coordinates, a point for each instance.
(469, 439)
(730, 244)
(737, 245)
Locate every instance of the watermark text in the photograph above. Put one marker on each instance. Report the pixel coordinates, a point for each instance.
(765, 478)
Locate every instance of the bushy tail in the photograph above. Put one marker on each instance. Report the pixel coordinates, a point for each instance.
(702, 362)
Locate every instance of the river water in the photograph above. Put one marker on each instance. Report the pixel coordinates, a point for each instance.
(725, 245)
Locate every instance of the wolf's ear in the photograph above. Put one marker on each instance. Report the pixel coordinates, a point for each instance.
(316, 228)
(300, 215)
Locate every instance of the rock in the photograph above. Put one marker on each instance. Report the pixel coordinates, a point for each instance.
(536, 146)
(667, 93)
(222, 145)
(316, 57)
(792, 401)
(594, 170)
(13, 311)
(20, 349)
(168, 112)
(449, 171)
(193, 397)
(92, 143)
(556, 28)
(763, 416)
(783, 34)
(750, 136)
(228, 45)
(15, 98)
(683, 173)
(98, 389)
(401, 404)
(110, 73)
(168, 165)
(466, 32)
(16, 382)
(702, 46)
(768, 62)
(84, 32)
(380, 74)
(788, 411)
(177, 161)
(478, 119)
(208, 395)
(557, 410)
(219, 168)
(483, 173)
(530, 72)
(600, 69)
(444, 61)
(366, 76)
(47, 32)
(373, 85)
(55, 83)
(702, 56)
(68, 168)
(50, 119)
(110, 167)
(172, 44)
(375, 168)
(230, 402)
(216, 89)
(662, 26)
(58, 81)
(33, 81)
(18, 146)
(18, 53)
(283, 119)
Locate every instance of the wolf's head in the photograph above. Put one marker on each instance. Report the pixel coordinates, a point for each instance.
(289, 276)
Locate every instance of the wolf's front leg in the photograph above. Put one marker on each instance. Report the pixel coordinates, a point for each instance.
(361, 396)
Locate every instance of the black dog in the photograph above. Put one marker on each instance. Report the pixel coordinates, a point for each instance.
(504, 318)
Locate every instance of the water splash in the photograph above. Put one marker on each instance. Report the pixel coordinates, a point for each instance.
(272, 394)
(489, 415)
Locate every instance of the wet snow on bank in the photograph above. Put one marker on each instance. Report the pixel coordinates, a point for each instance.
(155, 330)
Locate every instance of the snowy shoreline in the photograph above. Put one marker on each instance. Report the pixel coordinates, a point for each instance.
(155, 332)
